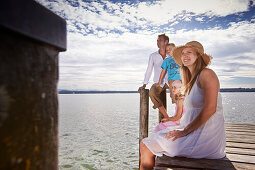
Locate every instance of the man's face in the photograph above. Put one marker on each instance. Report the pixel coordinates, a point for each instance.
(160, 42)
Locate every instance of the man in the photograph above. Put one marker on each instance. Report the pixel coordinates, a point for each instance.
(155, 62)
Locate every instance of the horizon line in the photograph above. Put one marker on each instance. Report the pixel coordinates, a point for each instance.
(64, 91)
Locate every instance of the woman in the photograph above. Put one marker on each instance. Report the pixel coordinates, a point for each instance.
(201, 133)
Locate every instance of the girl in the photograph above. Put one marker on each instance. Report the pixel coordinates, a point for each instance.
(201, 133)
(175, 120)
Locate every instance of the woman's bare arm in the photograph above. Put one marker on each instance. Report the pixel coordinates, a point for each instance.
(209, 83)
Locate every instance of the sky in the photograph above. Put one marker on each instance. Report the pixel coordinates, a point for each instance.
(109, 42)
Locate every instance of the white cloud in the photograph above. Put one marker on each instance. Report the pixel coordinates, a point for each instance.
(123, 58)
(118, 16)
(107, 60)
(199, 19)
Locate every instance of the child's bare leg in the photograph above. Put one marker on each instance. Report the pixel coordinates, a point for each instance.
(163, 111)
(171, 91)
(147, 158)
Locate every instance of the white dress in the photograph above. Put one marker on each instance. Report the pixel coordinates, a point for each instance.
(208, 141)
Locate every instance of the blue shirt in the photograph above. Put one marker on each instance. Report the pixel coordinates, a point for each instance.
(172, 68)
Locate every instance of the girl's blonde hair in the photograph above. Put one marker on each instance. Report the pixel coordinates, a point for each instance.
(171, 44)
(179, 95)
(188, 79)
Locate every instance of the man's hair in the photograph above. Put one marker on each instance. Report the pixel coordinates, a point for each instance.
(165, 36)
(171, 44)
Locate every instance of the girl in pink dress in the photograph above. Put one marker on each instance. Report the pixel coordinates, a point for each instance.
(179, 110)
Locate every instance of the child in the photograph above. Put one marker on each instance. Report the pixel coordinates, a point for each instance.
(175, 120)
(172, 69)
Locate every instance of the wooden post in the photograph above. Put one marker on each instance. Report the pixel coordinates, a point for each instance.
(31, 39)
(163, 99)
(144, 116)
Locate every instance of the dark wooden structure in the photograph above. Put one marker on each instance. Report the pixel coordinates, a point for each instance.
(31, 39)
(144, 114)
(240, 153)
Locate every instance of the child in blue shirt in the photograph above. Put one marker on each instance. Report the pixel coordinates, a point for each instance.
(171, 68)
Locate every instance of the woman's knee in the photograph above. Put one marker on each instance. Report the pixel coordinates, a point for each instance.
(143, 149)
(142, 145)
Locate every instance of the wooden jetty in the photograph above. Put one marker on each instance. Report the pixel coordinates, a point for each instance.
(240, 148)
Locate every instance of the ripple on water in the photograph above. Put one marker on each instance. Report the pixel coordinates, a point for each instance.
(96, 152)
(78, 159)
(66, 134)
(109, 160)
(66, 166)
(88, 167)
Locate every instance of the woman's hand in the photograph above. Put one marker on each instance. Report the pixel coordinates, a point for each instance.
(175, 134)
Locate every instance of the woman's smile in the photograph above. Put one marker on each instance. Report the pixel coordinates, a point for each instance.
(188, 56)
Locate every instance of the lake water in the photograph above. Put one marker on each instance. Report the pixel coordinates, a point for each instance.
(101, 131)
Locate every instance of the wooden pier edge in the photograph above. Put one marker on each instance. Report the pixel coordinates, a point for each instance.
(240, 146)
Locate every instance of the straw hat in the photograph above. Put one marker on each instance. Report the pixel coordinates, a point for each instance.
(177, 51)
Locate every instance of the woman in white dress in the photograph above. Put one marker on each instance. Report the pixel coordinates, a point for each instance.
(201, 133)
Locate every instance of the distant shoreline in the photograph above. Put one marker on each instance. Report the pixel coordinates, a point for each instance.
(103, 92)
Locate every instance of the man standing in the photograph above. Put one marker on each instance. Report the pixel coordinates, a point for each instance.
(155, 62)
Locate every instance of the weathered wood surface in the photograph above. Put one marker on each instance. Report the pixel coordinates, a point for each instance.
(144, 116)
(240, 153)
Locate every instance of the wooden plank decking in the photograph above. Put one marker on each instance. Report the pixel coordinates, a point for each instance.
(240, 150)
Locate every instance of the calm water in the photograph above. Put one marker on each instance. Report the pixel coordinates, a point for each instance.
(101, 131)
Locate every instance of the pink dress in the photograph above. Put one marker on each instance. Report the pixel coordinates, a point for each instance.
(164, 125)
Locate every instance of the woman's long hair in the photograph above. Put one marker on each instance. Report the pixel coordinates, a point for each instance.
(188, 78)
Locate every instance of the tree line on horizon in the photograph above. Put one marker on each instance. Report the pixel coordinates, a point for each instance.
(60, 91)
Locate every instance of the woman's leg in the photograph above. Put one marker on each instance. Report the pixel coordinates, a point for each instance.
(147, 158)
(163, 111)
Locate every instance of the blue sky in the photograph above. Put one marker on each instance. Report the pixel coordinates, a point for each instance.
(109, 42)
